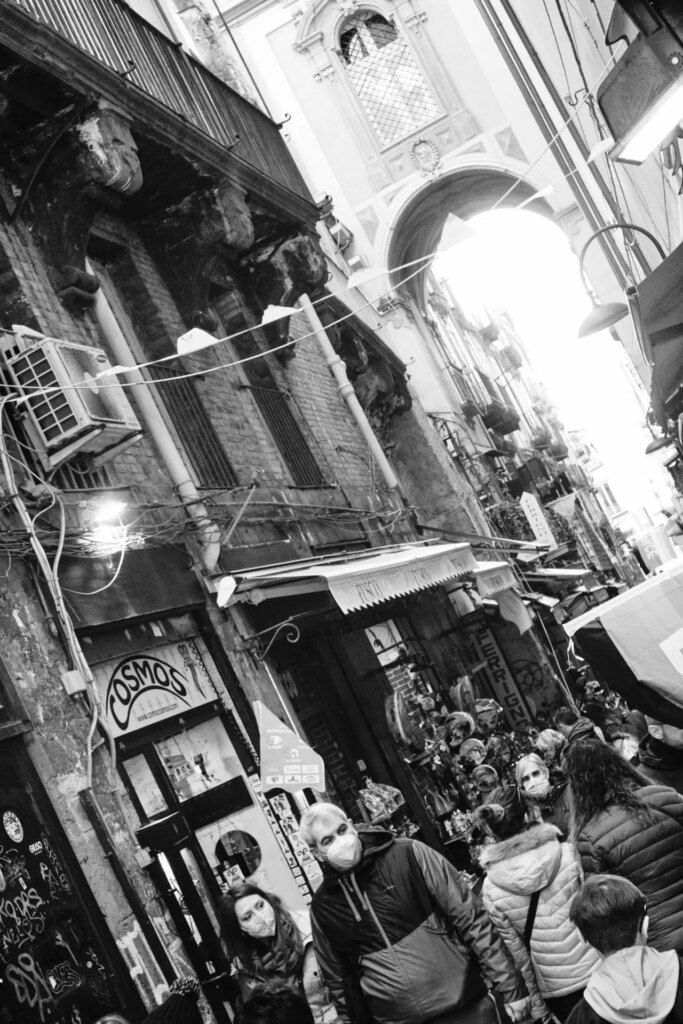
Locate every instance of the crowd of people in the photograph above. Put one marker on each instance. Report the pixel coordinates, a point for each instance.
(575, 912)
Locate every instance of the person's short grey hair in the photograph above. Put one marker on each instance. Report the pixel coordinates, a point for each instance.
(314, 814)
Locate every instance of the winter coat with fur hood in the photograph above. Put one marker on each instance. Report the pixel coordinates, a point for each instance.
(559, 961)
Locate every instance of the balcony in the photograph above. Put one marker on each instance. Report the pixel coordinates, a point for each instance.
(103, 48)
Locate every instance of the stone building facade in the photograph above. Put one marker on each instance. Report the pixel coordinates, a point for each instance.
(143, 199)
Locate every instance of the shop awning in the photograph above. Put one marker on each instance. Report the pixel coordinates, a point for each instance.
(492, 577)
(577, 576)
(354, 581)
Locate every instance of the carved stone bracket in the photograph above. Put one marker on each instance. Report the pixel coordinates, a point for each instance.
(325, 74)
(296, 267)
(197, 238)
(93, 161)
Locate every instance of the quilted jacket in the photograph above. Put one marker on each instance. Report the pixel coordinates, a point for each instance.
(397, 936)
(558, 961)
(647, 848)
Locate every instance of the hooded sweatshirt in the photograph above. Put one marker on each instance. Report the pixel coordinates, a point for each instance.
(636, 985)
(558, 961)
(398, 936)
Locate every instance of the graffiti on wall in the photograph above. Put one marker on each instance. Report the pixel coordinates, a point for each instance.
(51, 969)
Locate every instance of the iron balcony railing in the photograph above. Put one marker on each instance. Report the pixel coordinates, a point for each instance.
(109, 32)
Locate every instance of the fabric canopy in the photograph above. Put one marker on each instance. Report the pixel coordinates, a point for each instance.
(492, 577)
(635, 644)
(355, 581)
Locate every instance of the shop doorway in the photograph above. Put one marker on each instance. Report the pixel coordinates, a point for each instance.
(190, 770)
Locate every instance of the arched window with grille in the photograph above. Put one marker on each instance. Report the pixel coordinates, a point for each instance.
(386, 77)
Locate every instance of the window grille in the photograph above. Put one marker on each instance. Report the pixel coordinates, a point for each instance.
(288, 437)
(78, 475)
(386, 77)
(195, 430)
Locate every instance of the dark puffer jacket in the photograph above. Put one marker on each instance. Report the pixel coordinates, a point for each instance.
(646, 848)
(398, 935)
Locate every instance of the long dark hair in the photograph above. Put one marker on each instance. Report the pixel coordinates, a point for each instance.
(285, 954)
(504, 812)
(599, 776)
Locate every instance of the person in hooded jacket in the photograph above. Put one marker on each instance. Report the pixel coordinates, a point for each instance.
(531, 878)
(399, 937)
(624, 825)
(633, 982)
(269, 944)
(547, 802)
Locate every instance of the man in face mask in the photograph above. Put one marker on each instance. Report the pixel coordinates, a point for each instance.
(398, 936)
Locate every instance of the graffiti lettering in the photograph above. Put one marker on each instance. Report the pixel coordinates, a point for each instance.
(21, 917)
(61, 977)
(56, 864)
(30, 986)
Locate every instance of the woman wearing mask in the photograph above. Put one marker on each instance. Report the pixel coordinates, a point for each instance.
(531, 879)
(549, 802)
(266, 943)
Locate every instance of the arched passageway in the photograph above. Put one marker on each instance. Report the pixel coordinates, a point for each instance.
(461, 193)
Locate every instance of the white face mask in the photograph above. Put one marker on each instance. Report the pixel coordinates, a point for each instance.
(344, 852)
(261, 923)
(538, 789)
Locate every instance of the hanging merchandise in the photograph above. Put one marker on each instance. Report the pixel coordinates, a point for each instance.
(380, 800)
(402, 724)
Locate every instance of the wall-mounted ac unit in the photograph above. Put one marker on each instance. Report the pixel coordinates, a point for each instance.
(67, 409)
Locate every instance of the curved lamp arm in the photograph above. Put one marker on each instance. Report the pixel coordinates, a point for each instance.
(621, 225)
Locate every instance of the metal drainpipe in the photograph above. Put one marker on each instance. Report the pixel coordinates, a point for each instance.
(161, 435)
(338, 369)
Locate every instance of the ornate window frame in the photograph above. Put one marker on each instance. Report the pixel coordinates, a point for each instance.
(318, 37)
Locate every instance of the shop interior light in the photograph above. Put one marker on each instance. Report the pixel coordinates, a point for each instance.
(655, 128)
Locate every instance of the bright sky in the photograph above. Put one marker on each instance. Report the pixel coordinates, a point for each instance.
(520, 261)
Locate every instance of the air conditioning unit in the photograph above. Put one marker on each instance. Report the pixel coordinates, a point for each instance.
(69, 407)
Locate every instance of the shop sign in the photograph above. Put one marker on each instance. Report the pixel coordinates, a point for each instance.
(537, 520)
(147, 688)
(507, 692)
(286, 761)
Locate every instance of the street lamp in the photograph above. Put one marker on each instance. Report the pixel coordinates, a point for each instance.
(606, 314)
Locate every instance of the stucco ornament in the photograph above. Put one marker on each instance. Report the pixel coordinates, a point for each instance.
(109, 152)
(425, 155)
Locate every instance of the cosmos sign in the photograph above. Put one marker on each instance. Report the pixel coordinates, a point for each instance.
(144, 689)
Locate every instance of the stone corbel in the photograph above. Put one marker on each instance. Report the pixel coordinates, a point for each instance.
(93, 163)
(297, 267)
(194, 240)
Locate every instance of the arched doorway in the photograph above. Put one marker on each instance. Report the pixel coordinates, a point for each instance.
(462, 193)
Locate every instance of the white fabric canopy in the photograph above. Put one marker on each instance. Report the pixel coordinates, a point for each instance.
(359, 581)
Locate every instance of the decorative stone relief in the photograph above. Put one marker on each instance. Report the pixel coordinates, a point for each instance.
(194, 237)
(109, 152)
(325, 74)
(94, 161)
(425, 155)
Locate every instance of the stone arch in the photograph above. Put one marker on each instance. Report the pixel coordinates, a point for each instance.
(419, 212)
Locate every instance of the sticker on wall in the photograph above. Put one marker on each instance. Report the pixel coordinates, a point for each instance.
(12, 826)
